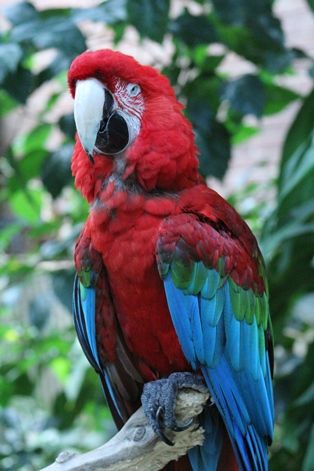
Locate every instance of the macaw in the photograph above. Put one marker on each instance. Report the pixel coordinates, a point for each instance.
(170, 288)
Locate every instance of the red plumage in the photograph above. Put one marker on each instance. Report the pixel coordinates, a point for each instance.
(161, 157)
(119, 239)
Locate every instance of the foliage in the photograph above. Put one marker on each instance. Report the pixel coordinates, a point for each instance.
(288, 242)
(49, 395)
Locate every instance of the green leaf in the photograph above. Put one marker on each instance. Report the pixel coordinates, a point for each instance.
(108, 12)
(76, 377)
(67, 125)
(34, 140)
(39, 310)
(10, 55)
(206, 63)
(203, 98)
(311, 4)
(27, 204)
(308, 462)
(53, 32)
(14, 269)
(45, 229)
(277, 98)
(245, 95)
(30, 166)
(7, 233)
(290, 439)
(287, 232)
(62, 282)
(52, 249)
(54, 13)
(307, 397)
(215, 149)
(299, 132)
(61, 367)
(243, 133)
(297, 169)
(56, 171)
(19, 84)
(21, 12)
(193, 30)
(212, 137)
(31, 147)
(7, 103)
(149, 17)
(237, 13)
(251, 30)
(58, 66)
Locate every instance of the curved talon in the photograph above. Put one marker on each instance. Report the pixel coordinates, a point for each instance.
(159, 431)
(159, 416)
(184, 426)
(164, 438)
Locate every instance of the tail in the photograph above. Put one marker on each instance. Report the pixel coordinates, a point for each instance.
(227, 459)
(216, 454)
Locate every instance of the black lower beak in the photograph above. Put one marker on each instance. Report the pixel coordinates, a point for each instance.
(113, 134)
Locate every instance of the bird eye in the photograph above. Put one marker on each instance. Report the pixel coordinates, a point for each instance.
(133, 89)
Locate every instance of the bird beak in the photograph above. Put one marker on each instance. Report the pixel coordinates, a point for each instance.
(89, 103)
(88, 108)
(100, 125)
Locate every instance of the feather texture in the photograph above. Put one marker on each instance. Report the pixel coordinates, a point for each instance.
(235, 379)
(120, 378)
(172, 278)
(222, 329)
(84, 320)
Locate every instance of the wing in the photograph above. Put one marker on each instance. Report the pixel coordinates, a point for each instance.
(217, 298)
(102, 341)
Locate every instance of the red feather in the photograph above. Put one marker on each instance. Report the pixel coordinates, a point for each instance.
(123, 227)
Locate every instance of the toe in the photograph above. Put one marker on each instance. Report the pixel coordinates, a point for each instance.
(180, 427)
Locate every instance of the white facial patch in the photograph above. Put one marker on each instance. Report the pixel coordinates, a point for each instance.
(131, 105)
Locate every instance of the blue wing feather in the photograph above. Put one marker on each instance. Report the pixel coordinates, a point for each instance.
(228, 352)
(182, 320)
(81, 324)
(84, 305)
(88, 302)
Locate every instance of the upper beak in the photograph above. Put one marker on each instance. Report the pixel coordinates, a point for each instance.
(89, 101)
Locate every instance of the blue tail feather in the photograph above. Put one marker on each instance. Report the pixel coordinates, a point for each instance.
(206, 457)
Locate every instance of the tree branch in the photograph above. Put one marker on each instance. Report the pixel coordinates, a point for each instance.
(136, 447)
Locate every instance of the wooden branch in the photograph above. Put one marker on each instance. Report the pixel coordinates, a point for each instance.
(136, 447)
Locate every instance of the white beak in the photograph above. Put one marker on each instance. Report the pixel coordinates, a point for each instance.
(88, 111)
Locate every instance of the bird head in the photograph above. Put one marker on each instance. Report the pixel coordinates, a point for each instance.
(129, 121)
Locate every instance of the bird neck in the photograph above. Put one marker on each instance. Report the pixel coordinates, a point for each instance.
(162, 160)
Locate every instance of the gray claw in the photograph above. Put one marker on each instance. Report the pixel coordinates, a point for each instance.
(159, 399)
(159, 428)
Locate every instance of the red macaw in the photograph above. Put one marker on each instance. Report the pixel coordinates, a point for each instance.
(170, 288)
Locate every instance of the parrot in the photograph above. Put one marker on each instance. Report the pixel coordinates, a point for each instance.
(170, 288)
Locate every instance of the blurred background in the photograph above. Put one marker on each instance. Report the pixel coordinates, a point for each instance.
(245, 72)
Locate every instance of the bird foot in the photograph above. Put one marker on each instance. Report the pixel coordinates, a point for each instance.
(159, 401)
